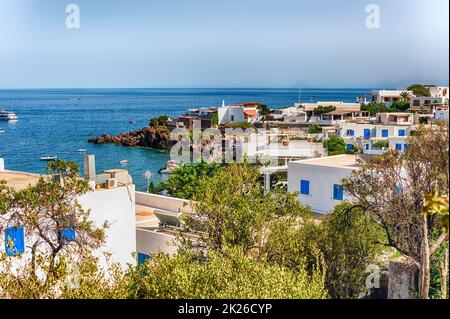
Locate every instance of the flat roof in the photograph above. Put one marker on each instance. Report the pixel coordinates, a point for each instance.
(19, 180)
(339, 161)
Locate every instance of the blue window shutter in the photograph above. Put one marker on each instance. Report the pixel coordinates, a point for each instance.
(68, 233)
(405, 146)
(384, 133)
(304, 187)
(349, 147)
(401, 133)
(398, 147)
(14, 241)
(366, 133)
(367, 146)
(350, 133)
(142, 258)
(338, 192)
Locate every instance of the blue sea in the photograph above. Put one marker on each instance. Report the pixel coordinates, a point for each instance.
(60, 121)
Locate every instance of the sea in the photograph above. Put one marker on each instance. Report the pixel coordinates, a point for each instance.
(59, 122)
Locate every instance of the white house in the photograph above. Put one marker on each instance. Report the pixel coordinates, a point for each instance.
(388, 97)
(371, 137)
(243, 112)
(112, 200)
(440, 115)
(319, 181)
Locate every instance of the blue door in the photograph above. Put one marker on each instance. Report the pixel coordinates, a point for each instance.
(338, 192)
(401, 133)
(398, 147)
(14, 241)
(384, 133)
(304, 187)
(366, 133)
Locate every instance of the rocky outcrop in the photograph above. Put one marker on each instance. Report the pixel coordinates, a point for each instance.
(158, 138)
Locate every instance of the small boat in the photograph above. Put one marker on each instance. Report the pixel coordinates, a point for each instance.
(170, 167)
(8, 116)
(2, 130)
(48, 158)
(81, 150)
(123, 162)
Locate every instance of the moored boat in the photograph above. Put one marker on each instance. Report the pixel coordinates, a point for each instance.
(8, 116)
(48, 158)
(170, 167)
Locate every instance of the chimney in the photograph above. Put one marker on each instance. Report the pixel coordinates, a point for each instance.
(89, 167)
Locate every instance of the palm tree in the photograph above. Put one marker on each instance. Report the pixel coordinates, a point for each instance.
(405, 95)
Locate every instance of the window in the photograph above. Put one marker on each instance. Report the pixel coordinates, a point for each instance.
(349, 147)
(232, 118)
(367, 146)
(401, 132)
(350, 133)
(366, 133)
(384, 133)
(142, 258)
(338, 192)
(14, 241)
(416, 103)
(398, 147)
(405, 146)
(304, 187)
(68, 233)
(399, 189)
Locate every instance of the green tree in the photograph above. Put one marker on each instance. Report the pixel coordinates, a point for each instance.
(324, 109)
(158, 121)
(184, 182)
(48, 211)
(234, 209)
(226, 273)
(335, 145)
(314, 129)
(265, 110)
(374, 108)
(392, 190)
(346, 240)
(215, 119)
(405, 95)
(419, 90)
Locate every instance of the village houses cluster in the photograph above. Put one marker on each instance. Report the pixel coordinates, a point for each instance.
(145, 223)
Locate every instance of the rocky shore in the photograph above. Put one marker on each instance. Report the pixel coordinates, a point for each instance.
(145, 137)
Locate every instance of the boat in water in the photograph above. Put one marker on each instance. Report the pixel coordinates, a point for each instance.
(8, 116)
(170, 167)
(48, 158)
(2, 130)
(123, 162)
(82, 150)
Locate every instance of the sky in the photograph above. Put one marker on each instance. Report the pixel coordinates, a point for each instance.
(223, 44)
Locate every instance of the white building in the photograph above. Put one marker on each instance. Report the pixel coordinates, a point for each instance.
(440, 115)
(439, 91)
(373, 138)
(319, 181)
(243, 112)
(388, 97)
(111, 200)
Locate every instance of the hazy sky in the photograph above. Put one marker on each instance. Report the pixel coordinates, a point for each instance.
(223, 43)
